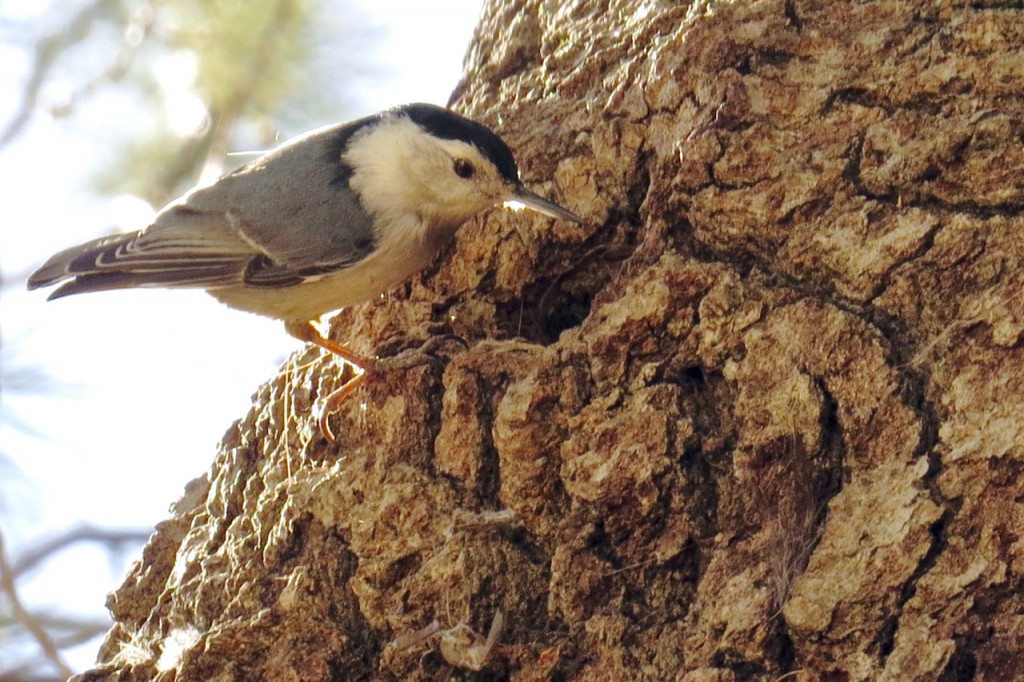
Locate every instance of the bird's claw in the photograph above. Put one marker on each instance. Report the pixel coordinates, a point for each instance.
(372, 371)
(331, 405)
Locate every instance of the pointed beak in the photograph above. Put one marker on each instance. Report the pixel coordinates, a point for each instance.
(524, 198)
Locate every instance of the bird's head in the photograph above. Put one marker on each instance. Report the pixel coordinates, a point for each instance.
(425, 160)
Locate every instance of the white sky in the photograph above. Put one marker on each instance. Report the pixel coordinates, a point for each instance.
(147, 381)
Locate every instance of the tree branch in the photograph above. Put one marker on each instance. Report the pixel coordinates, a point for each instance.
(47, 644)
(103, 536)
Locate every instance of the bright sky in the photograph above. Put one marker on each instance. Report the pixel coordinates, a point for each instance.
(147, 382)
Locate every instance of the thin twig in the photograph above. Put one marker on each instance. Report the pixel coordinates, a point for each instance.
(48, 49)
(19, 670)
(25, 618)
(85, 533)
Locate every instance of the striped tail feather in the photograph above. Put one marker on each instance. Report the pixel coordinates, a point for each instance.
(78, 260)
(197, 276)
(110, 263)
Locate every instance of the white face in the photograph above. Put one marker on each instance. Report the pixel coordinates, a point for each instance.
(457, 180)
(400, 168)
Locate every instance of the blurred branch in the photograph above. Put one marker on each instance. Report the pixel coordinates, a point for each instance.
(47, 51)
(72, 629)
(205, 154)
(135, 34)
(39, 626)
(17, 671)
(48, 646)
(113, 539)
(285, 12)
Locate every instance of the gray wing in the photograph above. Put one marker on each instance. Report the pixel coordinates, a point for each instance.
(286, 216)
(294, 207)
(181, 249)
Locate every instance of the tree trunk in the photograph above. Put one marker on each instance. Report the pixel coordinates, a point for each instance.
(764, 414)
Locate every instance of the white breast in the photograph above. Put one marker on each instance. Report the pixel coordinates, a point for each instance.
(403, 251)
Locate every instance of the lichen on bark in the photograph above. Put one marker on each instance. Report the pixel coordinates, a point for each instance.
(761, 416)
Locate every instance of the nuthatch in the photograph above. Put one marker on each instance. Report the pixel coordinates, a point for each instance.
(326, 220)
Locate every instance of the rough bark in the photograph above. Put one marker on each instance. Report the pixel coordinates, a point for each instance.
(764, 414)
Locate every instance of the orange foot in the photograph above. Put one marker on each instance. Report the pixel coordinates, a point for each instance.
(366, 369)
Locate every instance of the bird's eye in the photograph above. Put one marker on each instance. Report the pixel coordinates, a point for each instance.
(464, 169)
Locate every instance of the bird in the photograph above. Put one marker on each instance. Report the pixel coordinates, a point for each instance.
(327, 220)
